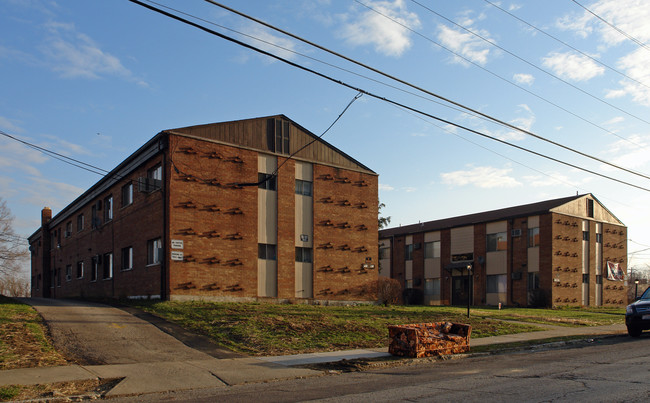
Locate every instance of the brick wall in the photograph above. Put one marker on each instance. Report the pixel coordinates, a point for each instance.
(345, 233)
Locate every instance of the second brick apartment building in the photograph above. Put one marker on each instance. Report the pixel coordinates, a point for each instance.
(568, 251)
(242, 210)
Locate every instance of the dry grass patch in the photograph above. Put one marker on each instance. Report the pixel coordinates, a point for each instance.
(23, 338)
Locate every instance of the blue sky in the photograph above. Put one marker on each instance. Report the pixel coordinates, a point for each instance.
(94, 80)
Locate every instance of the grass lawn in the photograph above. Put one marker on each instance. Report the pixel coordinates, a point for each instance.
(23, 340)
(273, 329)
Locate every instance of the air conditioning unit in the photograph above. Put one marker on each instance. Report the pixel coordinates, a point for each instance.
(515, 232)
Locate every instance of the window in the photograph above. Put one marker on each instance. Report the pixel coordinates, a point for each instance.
(108, 266)
(408, 252)
(384, 253)
(95, 222)
(585, 236)
(432, 287)
(266, 251)
(533, 281)
(267, 181)
(409, 284)
(94, 268)
(585, 278)
(496, 283)
(431, 249)
(533, 237)
(599, 279)
(303, 187)
(108, 209)
(590, 208)
(68, 229)
(68, 272)
(58, 277)
(154, 251)
(80, 222)
(599, 238)
(127, 194)
(80, 269)
(496, 242)
(282, 137)
(155, 172)
(127, 258)
(303, 255)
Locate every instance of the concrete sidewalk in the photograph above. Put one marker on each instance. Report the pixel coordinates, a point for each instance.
(210, 373)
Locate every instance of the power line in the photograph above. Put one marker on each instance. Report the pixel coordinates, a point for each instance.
(476, 112)
(60, 157)
(529, 63)
(620, 31)
(566, 44)
(344, 84)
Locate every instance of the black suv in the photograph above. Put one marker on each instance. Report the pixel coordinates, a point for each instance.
(637, 315)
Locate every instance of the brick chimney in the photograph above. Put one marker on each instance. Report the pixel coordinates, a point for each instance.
(46, 216)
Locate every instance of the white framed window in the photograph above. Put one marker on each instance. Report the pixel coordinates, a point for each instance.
(80, 222)
(80, 269)
(432, 287)
(108, 208)
(154, 251)
(108, 266)
(68, 272)
(127, 194)
(127, 258)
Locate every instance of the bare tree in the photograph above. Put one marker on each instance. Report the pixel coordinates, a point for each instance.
(382, 221)
(13, 250)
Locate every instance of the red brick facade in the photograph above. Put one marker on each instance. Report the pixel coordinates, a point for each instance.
(205, 216)
(559, 268)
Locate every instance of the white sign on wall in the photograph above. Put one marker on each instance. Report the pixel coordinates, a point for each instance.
(177, 255)
(177, 244)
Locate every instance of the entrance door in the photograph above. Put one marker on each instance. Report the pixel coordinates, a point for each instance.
(460, 286)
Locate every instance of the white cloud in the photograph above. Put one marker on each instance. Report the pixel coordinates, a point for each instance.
(9, 125)
(40, 191)
(467, 45)
(385, 188)
(630, 153)
(73, 54)
(630, 16)
(635, 65)
(522, 78)
(551, 179)
(524, 120)
(409, 189)
(572, 67)
(388, 37)
(483, 177)
(614, 120)
(268, 39)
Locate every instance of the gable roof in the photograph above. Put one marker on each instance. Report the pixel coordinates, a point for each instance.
(524, 210)
(258, 134)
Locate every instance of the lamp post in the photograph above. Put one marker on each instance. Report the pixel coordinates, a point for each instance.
(636, 288)
(469, 280)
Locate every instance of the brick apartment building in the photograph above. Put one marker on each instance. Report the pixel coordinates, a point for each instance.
(243, 210)
(569, 251)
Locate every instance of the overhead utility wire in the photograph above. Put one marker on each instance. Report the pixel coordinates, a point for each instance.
(620, 31)
(60, 157)
(415, 94)
(501, 122)
(530, 63)
(566, 44)
(503, 78)
(344, 84)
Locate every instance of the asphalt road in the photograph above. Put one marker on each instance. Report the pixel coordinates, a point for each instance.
(93, 334)
(607, 370)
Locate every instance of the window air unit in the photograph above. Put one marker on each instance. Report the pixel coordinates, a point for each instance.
(515, 232)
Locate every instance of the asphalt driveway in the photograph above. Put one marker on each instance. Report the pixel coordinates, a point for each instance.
(93, 334)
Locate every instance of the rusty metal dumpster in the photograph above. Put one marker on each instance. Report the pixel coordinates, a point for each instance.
(428, 339)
